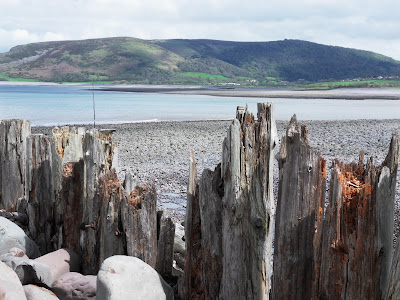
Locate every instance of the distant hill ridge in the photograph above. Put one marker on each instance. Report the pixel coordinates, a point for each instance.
(180, 61)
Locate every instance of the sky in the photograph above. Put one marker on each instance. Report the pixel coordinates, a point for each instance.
(362, 24)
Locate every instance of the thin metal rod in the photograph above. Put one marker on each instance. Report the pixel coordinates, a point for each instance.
(94, 107)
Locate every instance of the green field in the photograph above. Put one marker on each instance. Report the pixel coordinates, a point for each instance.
(7, 78)
(205, 75)
(362, 83)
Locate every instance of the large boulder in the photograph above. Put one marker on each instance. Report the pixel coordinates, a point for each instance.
(11, 235)
(75, 286)
(34, 292)
(10, 286)
(126, 277)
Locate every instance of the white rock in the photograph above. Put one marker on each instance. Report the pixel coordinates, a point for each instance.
(10, 286)
(34, 292)
(29, 271)
(126, 277)
(11, 235)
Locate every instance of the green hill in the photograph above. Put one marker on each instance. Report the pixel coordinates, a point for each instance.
(190, 61)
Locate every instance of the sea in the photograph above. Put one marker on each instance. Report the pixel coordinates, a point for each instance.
(61, 104)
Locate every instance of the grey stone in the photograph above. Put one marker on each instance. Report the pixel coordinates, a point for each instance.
(11, 235)
(34, 292)
(125, 277)
(10, 286)
(75, 286)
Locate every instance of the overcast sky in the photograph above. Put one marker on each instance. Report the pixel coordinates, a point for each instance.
(362, 24)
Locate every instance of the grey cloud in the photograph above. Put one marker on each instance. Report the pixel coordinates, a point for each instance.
(357, 23)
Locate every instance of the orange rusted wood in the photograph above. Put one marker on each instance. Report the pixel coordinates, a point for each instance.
(358, 228)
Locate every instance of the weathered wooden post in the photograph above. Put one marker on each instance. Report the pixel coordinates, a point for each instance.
(394, 282)
(96, 163)
(165, 244)
(111, 238)
(192, 283)
(248, 205)
(358, 228)
(139, 222)
(299, 216)
(230, 215)
(84, 157)
(41, 190)
(13, 147)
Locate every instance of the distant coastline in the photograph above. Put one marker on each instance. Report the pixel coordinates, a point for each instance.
(228, 91)
(342, 93)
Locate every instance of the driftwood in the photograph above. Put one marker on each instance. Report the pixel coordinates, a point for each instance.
(229, 222)
(358, 229)
(299, 215)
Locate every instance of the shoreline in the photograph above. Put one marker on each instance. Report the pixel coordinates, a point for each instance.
(104, 125)
(350, 93)
(342, 93)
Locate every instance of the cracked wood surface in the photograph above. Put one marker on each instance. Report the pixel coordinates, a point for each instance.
(230, 214)
(358, 228)
(299, 216)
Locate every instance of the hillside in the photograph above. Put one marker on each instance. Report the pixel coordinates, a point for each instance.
(190, 61)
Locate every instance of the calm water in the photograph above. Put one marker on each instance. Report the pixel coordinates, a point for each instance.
(57, 105)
